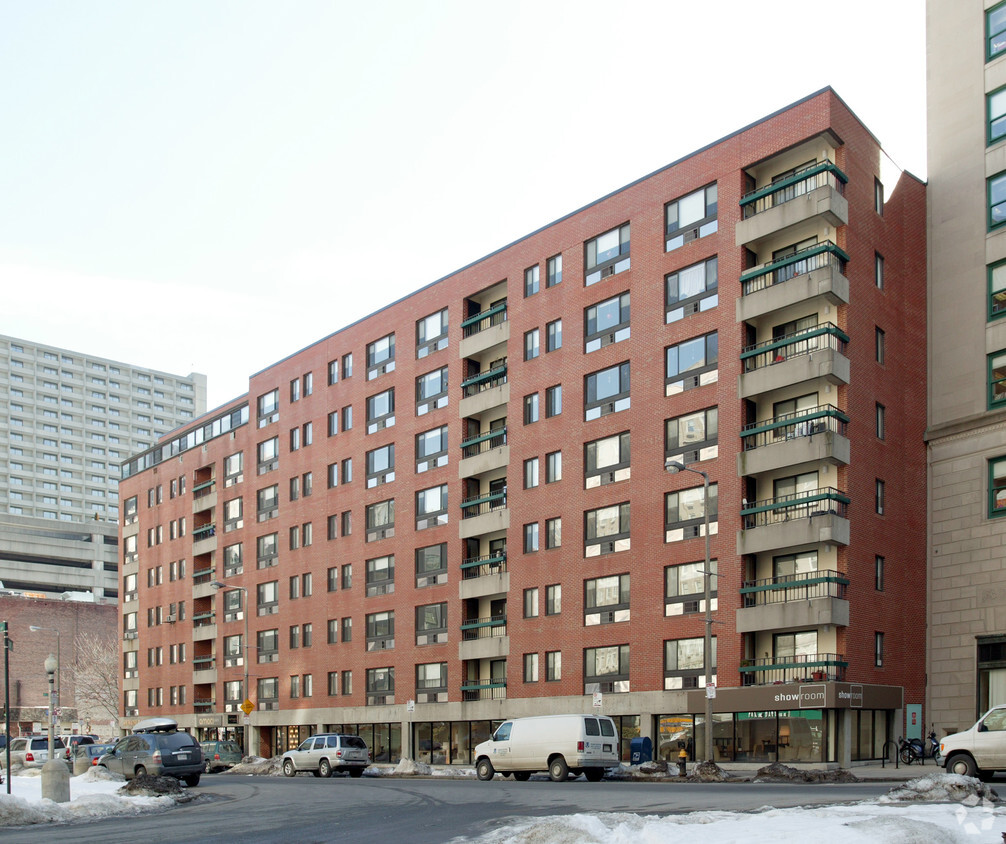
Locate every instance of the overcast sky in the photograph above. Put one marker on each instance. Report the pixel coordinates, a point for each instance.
(211, 185)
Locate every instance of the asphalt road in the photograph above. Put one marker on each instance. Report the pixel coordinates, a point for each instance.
(304, 810)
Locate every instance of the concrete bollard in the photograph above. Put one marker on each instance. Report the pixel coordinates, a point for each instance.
(56, 781)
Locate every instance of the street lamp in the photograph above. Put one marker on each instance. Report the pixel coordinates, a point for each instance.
(34, 628)
(51, 667)
(55, 773)
(217, 584)
(673, 466)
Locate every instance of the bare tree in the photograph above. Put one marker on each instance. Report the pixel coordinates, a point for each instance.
(96, 677)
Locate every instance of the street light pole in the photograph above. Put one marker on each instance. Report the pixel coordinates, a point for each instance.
(220, 585)
(34, 628)
(51, 664)
(674, 467)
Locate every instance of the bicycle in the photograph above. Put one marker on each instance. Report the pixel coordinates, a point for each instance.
(911, 751)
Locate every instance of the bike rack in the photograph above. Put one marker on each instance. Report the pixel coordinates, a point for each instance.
(883, 751)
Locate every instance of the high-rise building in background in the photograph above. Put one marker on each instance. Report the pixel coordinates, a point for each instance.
(67, 422)
(966, 81)
(456, 510)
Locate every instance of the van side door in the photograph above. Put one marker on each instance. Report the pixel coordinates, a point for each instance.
(990, 741)
(502, 749)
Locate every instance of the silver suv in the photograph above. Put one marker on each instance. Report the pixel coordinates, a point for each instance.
(327, 753)
(156, 748)
(32, 751)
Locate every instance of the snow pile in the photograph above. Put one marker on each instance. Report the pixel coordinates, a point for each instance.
(258, 766)
(777, 772)
(91, 797)
(408, 768)
(96, 774)
(942, 788)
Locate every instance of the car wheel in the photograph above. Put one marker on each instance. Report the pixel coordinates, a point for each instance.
(324, 769)
(522, 776)
(593, 774)
(558, 770)
(140, 771)
(484, 769)
(288, 768)
(356, 772)
(963, 765)
(191, 780)
(315, 773)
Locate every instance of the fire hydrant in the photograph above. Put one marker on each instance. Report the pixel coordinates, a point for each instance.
(682, 759)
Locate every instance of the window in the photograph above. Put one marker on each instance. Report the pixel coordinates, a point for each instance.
(553, 401)
(684, 663)
(553, 599)
(606, 600)
(881, 411)
(606, 530)
(690, 217)
(333, 423)
(268, 454)
(878, 650)
(531, 276)
(268, 598)
(381, 465)
(606, 669)
(553, 533)
(380, 686)
(530, 668)
(554, 271)
(684, 509)
(878, 573)
(381, 576)
(347, 365)
(380, 630)
(880, 351)
(268, 408)
(266, 550)
(878, 270)
(333, 475)
(997, 379)
(268, 502)
(693, 437)
(333, 372)
(347, 470)
(347, 629)
(347, 522)
(605, 255)
(234, 469)
(691, 290)
(307, 433)
(995, 30)
(431, 391)
(531, 473)
(532, 347)
(333, 631)
(294, 637)
(553, 467)
(530, 603)
(381, 520)
(347, 418)
(431, 682)
(531, 531)
(380, 411)
(294, 440)
(553, 666)
(295, 390)
(347, 682)
(431, 624)
(692, 363)
(553, 332)
(530, 408)
(606, 391)
(431, 449)
(997, 486)
(431, 565)
(607, 460)
(606, 322)
(431, 334)
(997, 290)
(431, 507)
(380, 357)
(878, 196)
(233, 514)
(879, 501)
(685, 586)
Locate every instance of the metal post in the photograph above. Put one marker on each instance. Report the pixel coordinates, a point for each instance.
(7, 644)
(34, 628)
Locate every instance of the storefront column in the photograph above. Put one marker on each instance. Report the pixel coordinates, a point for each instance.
(843, 746)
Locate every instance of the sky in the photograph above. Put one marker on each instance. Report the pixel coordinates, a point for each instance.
(211, 185)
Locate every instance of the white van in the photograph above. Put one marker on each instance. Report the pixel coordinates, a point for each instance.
(980, 751)
(559, 744)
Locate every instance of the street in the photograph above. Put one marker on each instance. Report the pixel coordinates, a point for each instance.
(418, 811)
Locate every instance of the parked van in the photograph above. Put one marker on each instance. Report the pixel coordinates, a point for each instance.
(980, 751)
(559, 744)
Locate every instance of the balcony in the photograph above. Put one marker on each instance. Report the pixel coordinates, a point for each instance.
(794, 602)
(204, 670)
(494, 690)
(817, 271)
(204, 496)
(484, 638)
(484, 453)
(204, 539)
(811, 435)
(484, 391)
(798, 668)
(486, 575)
(484, 514)
(204, 626)
(816, 192)
(484, 330)
(203, 705)
(802, 519)
(806, 355)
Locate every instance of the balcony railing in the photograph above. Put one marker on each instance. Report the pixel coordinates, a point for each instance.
(797, 668)
(205, 488)
(495, 690)
(483, 566)
(483, 320)
(202, 575)
(201, 663)
(472, 507)
(824, 335)
(804, 586)
(483, 628)
(483, 442)
(798, 183)
(815, 257)
(204, 532)
(203, 703)
(201, 619)
(799, 505)
(800, 423)
(484, 381)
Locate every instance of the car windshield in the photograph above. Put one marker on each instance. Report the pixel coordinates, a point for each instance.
(354, 741)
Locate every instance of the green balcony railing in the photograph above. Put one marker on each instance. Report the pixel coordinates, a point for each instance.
(204, 532)
(798, 183)
(472, 507)
(484, 381)
(483, 628)
(205, 488)
(816, 257)
(483, 566)
(799, 505)
(483, 320)
(793, 669)
(483, 442)
(803, 586)
(495, 690)
(801, 423)
(816, 338)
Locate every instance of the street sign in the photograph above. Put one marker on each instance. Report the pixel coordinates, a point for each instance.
(711, 690)
(410, 706)
(247, 707)
(598, 699)
(247, 720)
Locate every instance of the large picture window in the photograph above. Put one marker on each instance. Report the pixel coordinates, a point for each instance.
(606, 670)
(606, 600)
(431, 391)
(380, 357)
(431, 334)
(685, 513)
(431, 449)
(685, 586)
(692, 290)
(380, 630)
(691, 217)
(606, 322)
(606, 254)
(606, 391)
(381, 411)
(692, 363)
(381, 520)
(431, 624)
(381, 465)
(692, 437)
(606, 530)
(431, 507)
(381, 576)
(607, 460)
(684, 663)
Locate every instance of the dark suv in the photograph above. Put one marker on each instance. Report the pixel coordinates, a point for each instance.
(157, 748)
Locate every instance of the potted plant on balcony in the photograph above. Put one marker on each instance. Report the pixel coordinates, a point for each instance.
(819, 675)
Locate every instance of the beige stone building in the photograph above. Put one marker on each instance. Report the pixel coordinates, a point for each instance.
(966, 665)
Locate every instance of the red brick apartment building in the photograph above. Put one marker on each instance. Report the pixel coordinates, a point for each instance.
(456, 510)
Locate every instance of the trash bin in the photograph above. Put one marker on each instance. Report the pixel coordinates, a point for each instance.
(641, 750)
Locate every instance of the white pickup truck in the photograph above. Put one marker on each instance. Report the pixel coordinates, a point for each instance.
(980, 751)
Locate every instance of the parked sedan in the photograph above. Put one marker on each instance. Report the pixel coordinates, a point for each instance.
(87, 755)
(327, 753)
(32, 751)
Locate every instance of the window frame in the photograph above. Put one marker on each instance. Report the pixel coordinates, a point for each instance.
(996, 379)
(433, 401)
(435, 517)
(380, 530)
(611, 682)
(991, 53)
(996, 489)
(691, 527)
(600, 544)
(609, 473)
(696, 375)
(428, 345)
(595, 408)
(386, 419)
(609, 613)
(614, 260)
(432, 460)
(678, 308)
(696, 451)
(694, 229)
(595, 338)
(381, 356)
